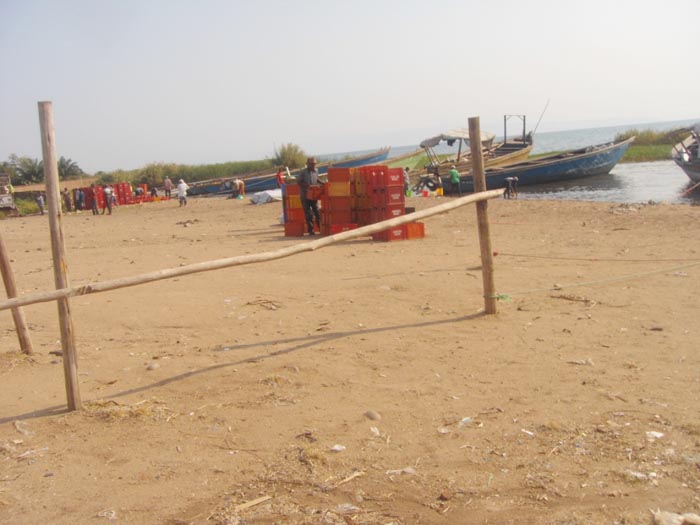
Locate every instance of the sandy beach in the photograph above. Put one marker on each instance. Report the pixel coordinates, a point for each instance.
(360, 383)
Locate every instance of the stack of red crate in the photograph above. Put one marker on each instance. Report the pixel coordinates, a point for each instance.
(122, 190)
(89, 197)
(355, 197)
(387, 201)
(337, 202)
(294, 220)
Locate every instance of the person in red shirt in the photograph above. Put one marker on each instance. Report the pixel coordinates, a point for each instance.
(280, 177)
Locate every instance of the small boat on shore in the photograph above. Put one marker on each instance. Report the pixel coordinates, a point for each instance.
(507, 152)
(572, 164)
(262, 181)
(687, 155)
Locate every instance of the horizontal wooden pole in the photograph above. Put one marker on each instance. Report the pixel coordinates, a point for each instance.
(104, 286)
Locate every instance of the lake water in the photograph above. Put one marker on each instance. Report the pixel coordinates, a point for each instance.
(660, 181)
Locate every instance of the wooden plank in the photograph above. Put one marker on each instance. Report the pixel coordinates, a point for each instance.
(42, 297)
(483, 220)
(60, 272)
(25, 341)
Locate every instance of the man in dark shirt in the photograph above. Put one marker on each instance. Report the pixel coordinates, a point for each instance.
(306, 178)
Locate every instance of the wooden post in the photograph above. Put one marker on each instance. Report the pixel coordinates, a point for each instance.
(25, 342)
(70, 359)
(482, 216)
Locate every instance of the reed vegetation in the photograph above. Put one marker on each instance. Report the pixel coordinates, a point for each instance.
(650, 145)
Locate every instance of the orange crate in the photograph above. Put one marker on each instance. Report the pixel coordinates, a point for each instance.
(339, 174)
(415, 230)
(292, 190)
(314, 192)
(339, 189)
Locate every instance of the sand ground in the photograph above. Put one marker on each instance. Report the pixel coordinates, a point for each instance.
(360, 383)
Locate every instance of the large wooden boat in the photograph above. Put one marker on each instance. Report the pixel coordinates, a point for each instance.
(572, 164)
(262, 181)
(687, 155)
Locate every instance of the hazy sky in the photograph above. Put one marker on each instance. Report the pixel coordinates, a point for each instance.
(140, 81)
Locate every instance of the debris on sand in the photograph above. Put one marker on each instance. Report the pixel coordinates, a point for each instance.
(110, 410)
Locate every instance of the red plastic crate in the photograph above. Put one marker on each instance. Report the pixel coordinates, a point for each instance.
(381, 197)
(337, 228)
(336, 216)
(296, 215)
(338, 203)
(294, 229)
(394, 177)
(387, 212)
(292, 190)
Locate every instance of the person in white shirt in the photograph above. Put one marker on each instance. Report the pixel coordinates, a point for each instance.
(182, 188)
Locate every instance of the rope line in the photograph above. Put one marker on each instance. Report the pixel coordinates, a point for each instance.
(507, 296)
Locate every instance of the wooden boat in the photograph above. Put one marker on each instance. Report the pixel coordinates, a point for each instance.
(572, 164)
(687, 155)
(410, 160)
(509, 151)
(266, 180)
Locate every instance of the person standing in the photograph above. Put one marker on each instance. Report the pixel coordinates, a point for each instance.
(94, 194)
(454, 181)
(168, 185)
(306, 178)
(182, 188)
(40, 202)
(406, 180)
(280, 177)
(108, 199)
(80, 200)
(66, 200)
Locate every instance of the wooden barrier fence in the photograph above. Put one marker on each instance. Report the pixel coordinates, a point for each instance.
(64, 291)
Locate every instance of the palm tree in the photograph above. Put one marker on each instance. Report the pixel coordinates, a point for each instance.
(68, 169)
(29, 171)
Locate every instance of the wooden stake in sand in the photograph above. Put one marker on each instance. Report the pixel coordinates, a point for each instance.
(48, 148)
(25, 342)
(482, 216)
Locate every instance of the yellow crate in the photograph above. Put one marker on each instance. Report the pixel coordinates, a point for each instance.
(293, 201)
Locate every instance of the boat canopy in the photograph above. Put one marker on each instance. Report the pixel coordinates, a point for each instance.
(455, 135)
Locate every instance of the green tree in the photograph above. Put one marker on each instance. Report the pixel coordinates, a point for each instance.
(68, 169)
(290, 155)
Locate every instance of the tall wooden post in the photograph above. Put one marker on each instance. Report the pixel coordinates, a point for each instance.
(25, 342)
(482, 216)
(60, 272)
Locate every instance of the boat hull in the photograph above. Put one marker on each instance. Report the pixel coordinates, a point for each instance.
(574, 164)
(690, 168)
(503, 155)
(268, 181)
